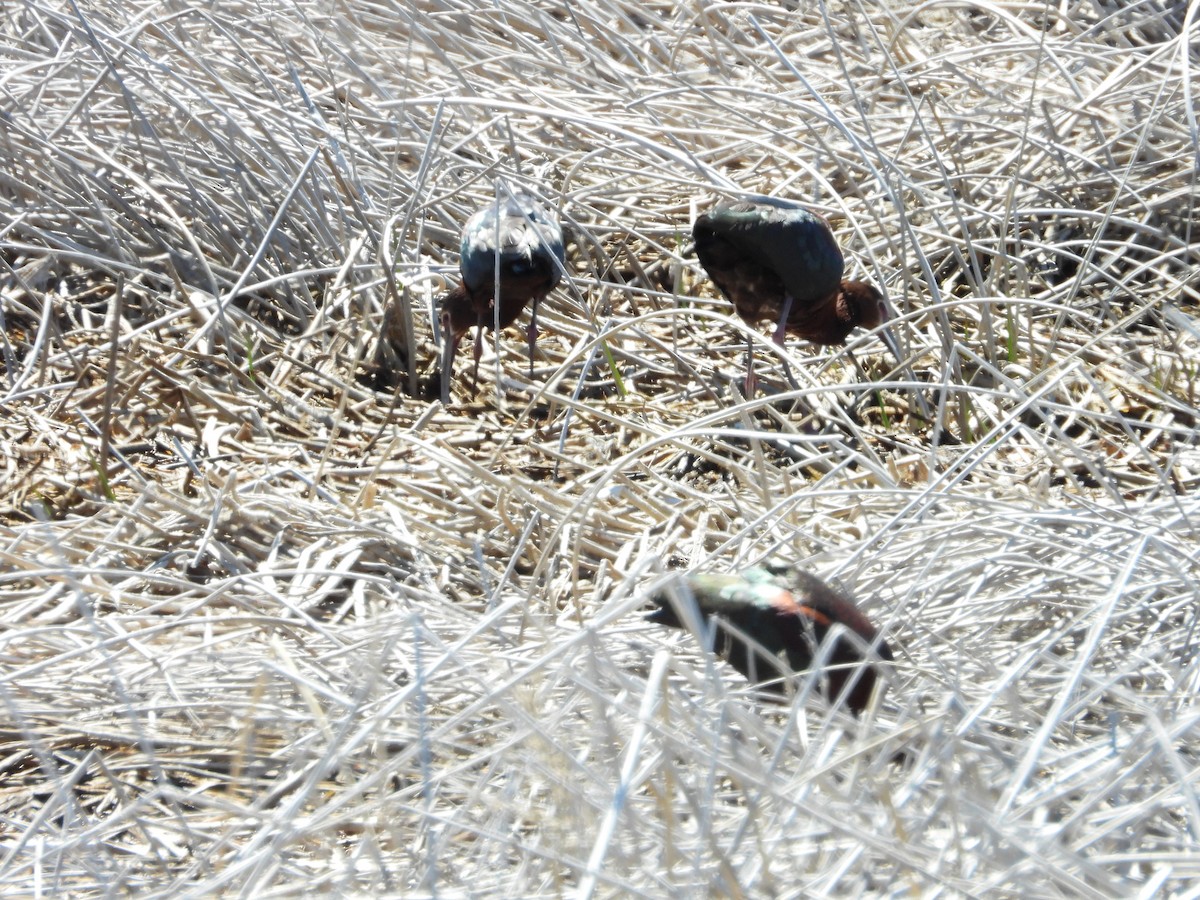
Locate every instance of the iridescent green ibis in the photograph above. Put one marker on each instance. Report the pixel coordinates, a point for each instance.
(778, 260)
(788, 615)
(511, 254)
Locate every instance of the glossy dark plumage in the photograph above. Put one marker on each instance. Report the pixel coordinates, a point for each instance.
(777, 260)
(515, 244)
(790, 614)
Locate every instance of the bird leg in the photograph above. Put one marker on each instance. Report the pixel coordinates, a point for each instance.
(751, 382)
(778, 336)
(449, 347)
(532, 332)
(478, 356)
(781, 328)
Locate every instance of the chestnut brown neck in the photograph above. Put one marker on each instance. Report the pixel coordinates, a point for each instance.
(858, 304)
(457, 312)
(463, 308)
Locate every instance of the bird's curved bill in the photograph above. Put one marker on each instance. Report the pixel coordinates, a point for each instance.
(449, 345)
(889, 340)
(888, 336)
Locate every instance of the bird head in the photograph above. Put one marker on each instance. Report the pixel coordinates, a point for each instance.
(861, 304)
(864, 305)
(457, 314)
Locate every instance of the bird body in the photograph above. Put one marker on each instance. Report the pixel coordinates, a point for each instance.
(788, 614)
(778, 260)
(511, 253)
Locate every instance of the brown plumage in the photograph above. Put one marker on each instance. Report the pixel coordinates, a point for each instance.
(789, 614)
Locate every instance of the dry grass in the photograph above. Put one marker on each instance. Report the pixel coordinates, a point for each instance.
(269, 630)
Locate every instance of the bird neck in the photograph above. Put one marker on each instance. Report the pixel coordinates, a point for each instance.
(832, 320)
(458, 312)
(845, 309)
(858, 304)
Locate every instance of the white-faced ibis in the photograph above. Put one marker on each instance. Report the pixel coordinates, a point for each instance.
(778, 260)
(512, 251)
(788, 613)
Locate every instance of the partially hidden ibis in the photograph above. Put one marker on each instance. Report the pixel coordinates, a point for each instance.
(787, 614)
(511, 254)
(778, 260)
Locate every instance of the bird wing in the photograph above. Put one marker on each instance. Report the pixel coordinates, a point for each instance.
(524, 233)
(792, 241)
(817, 600)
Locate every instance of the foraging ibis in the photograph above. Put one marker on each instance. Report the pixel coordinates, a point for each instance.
(778, 260)
(511, 253)
(788, 613)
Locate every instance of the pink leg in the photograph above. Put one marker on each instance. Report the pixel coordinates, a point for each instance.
(781, 329)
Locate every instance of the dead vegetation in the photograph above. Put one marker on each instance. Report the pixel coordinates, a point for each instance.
(274, 623)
